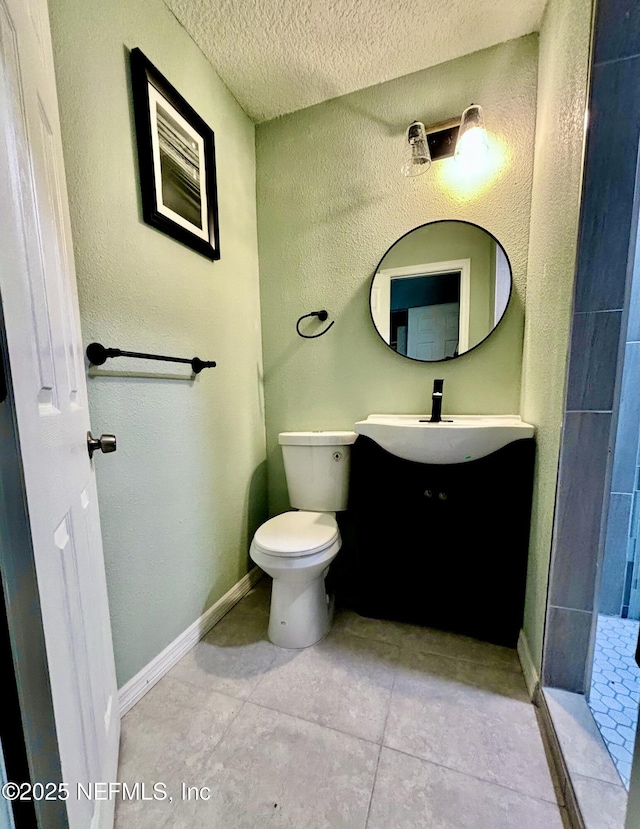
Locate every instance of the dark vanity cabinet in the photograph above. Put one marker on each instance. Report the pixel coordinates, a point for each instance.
(443, 545)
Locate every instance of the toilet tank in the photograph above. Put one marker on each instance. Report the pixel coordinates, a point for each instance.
(317, 468)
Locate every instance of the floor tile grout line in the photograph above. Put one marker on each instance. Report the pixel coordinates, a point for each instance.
(264, 673)
(186, 682)
(384, 730)
(313, 722)
(517, 670)
(373, 786)
(174, 806)
(181, 681)
(189, 683)
(553, 802)
(382, 745)
(228, 728)
(619, 785)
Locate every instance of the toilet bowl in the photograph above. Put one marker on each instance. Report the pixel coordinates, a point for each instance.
(297, 547)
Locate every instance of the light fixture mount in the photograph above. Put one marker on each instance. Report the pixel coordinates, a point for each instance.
(442, 139)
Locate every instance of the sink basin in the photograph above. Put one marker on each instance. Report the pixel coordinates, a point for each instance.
(457, 439)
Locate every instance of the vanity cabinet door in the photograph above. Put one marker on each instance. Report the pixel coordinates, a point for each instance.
(443, 545)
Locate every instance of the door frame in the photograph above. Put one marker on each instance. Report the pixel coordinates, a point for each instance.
(381, 304)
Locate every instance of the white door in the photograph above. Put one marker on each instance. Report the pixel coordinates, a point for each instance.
(38, 290)
(432, 332)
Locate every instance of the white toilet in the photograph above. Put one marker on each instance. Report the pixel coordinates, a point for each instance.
(296, 548)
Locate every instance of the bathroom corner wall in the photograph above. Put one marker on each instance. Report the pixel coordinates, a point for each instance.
(182, 495)
(562, 96)
(331, 199)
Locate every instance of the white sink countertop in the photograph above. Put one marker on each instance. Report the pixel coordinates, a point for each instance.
(456, 439)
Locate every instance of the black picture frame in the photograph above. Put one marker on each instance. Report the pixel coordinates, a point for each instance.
(177, 161)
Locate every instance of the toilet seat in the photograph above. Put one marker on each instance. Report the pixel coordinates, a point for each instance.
(297, 533)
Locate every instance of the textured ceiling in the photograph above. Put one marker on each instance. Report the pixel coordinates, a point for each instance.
(278, 56)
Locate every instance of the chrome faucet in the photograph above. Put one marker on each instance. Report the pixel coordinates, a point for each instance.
(436, 401)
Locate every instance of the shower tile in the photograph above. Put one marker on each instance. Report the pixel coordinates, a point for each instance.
(626, 448)
(566, 649)
(615, 677)
(595, 339)
(583, 463)
(617, 30)
(610, 173)
(615, 557)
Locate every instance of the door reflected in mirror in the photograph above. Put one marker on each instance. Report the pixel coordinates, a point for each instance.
(440, 290)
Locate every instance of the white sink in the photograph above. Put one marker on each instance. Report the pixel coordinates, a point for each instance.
(456, 439)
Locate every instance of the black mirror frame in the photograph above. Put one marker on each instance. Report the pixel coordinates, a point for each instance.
(477, 345)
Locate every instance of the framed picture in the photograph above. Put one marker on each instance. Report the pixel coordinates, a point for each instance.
(176, 154)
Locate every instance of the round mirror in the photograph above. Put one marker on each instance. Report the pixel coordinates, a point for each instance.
(440, 290)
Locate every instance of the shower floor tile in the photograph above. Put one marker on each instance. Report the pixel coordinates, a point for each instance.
(615, 688)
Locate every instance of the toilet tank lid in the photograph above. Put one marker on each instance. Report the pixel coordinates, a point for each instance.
(316, 438)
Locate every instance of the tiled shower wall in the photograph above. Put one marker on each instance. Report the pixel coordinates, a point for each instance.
(619, 585)
(606, 249)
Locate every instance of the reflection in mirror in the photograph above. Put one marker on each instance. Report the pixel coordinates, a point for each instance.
(440, 290)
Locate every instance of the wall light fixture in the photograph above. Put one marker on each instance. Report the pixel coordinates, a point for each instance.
(420, 159)
(472, 144)
(464, 139)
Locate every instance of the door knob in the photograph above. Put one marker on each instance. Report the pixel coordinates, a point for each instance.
(105, 443)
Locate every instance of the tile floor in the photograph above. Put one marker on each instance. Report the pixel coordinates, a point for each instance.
(381, 725)
(600, 794)
(615, 688)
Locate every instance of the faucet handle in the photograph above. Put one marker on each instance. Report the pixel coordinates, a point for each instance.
(438, 386)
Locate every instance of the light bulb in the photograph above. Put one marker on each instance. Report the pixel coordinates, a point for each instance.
(420, 159)
(472, 144)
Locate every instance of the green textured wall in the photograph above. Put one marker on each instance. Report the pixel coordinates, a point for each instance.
(331, 200)
(182, 495)
(562, 89)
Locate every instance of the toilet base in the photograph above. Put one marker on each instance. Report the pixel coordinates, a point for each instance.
(300, 613)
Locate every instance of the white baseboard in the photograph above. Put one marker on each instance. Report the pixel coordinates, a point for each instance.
(531, 677)
(133, 691)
